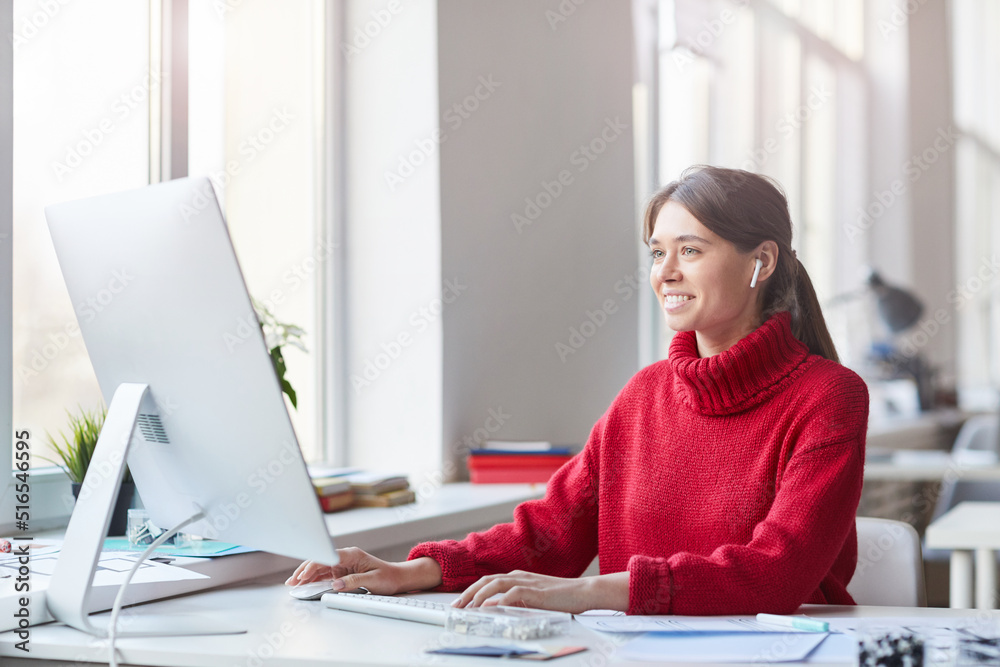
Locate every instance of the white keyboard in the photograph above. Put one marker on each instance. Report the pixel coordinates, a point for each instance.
(403, 608)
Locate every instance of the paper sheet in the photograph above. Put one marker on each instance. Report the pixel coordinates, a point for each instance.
(618, 622)
(940, 633)
(743, 647)
(111, 569)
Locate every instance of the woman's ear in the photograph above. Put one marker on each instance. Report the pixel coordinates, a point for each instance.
(767, 253)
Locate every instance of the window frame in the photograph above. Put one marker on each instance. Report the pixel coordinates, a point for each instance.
(51, 504)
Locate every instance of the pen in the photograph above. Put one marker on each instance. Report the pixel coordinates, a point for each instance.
(796, 622)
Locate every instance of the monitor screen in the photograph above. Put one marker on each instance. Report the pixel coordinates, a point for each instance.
(161, 301)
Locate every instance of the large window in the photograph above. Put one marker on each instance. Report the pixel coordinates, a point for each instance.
(977, 119)
(257, 90)
(776, 88)
(81, 117)
(93, 114)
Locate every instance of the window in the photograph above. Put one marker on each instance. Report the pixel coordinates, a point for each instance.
(776, 88)
(256, 128)
(976, 52)
(81, 116)
(88, 87)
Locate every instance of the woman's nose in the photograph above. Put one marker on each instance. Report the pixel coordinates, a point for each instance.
(667, 269)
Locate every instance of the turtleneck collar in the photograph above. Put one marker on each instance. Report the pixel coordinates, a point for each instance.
(748, 373)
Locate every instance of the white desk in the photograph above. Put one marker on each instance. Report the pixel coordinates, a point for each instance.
(453, 510)
(284, 632)
(967, 529)
(943, 469)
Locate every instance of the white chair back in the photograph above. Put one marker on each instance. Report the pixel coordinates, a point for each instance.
(979, 434)
(890, 569)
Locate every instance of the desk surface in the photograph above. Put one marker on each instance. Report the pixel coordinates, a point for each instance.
(969, 525)
(284, 632)
(929, 472)
(442, 510)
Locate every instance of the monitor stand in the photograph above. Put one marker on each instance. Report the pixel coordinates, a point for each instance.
(68, 593)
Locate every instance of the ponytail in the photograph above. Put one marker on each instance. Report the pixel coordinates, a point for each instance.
(808, 324)
(746, 209)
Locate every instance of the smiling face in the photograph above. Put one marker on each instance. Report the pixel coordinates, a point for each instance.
(702, 281)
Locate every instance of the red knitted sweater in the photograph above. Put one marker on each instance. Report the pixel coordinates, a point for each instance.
(723, 485)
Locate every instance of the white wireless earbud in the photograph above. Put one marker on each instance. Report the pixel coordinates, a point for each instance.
(756, 272)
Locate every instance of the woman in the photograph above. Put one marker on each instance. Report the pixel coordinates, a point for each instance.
(722, 480)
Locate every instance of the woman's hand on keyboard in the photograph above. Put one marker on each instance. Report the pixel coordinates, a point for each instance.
(359, 569)
(540, 591)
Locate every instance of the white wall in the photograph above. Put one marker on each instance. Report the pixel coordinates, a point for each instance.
(559, 82)
(530, 96)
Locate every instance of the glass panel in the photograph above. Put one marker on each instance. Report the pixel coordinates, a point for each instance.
(81, 114)
(976, 59)
(816, 227)
(256, 113)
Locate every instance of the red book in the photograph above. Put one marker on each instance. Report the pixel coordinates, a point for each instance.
(514, 468)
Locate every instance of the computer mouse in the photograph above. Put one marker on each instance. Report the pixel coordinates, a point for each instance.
(313, 591)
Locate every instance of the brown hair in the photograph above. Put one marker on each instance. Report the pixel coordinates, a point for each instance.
(747, 209)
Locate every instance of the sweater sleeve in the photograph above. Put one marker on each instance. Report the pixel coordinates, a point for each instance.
(555, 535)
(790, 551)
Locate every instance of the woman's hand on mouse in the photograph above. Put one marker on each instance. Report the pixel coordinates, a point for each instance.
(359, 569)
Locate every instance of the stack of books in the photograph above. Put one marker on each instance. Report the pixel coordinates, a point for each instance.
(380, 490)
(516, 462)
(334, 493)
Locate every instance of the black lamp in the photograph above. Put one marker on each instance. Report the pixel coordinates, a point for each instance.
(899, 309)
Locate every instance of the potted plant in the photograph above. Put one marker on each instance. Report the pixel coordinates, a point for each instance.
(278, 334)
(75, 452)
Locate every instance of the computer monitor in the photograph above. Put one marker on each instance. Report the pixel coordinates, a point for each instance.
(194, 400)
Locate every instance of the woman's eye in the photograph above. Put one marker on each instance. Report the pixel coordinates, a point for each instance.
(688, 251)
(656, 254)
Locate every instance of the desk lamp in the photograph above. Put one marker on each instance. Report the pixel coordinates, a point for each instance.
(898, 308)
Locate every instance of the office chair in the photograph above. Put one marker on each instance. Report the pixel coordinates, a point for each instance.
(978, 434)
(890, 570)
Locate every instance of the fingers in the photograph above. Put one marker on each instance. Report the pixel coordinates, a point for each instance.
(490, 585)
(358, 568)
(467, 595)
(517, 596)
(292, 580)
(308, 572)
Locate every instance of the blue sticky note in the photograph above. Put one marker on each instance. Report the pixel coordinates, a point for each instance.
(483, 651)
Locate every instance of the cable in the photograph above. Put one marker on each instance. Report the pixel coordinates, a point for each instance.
(120, 598)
